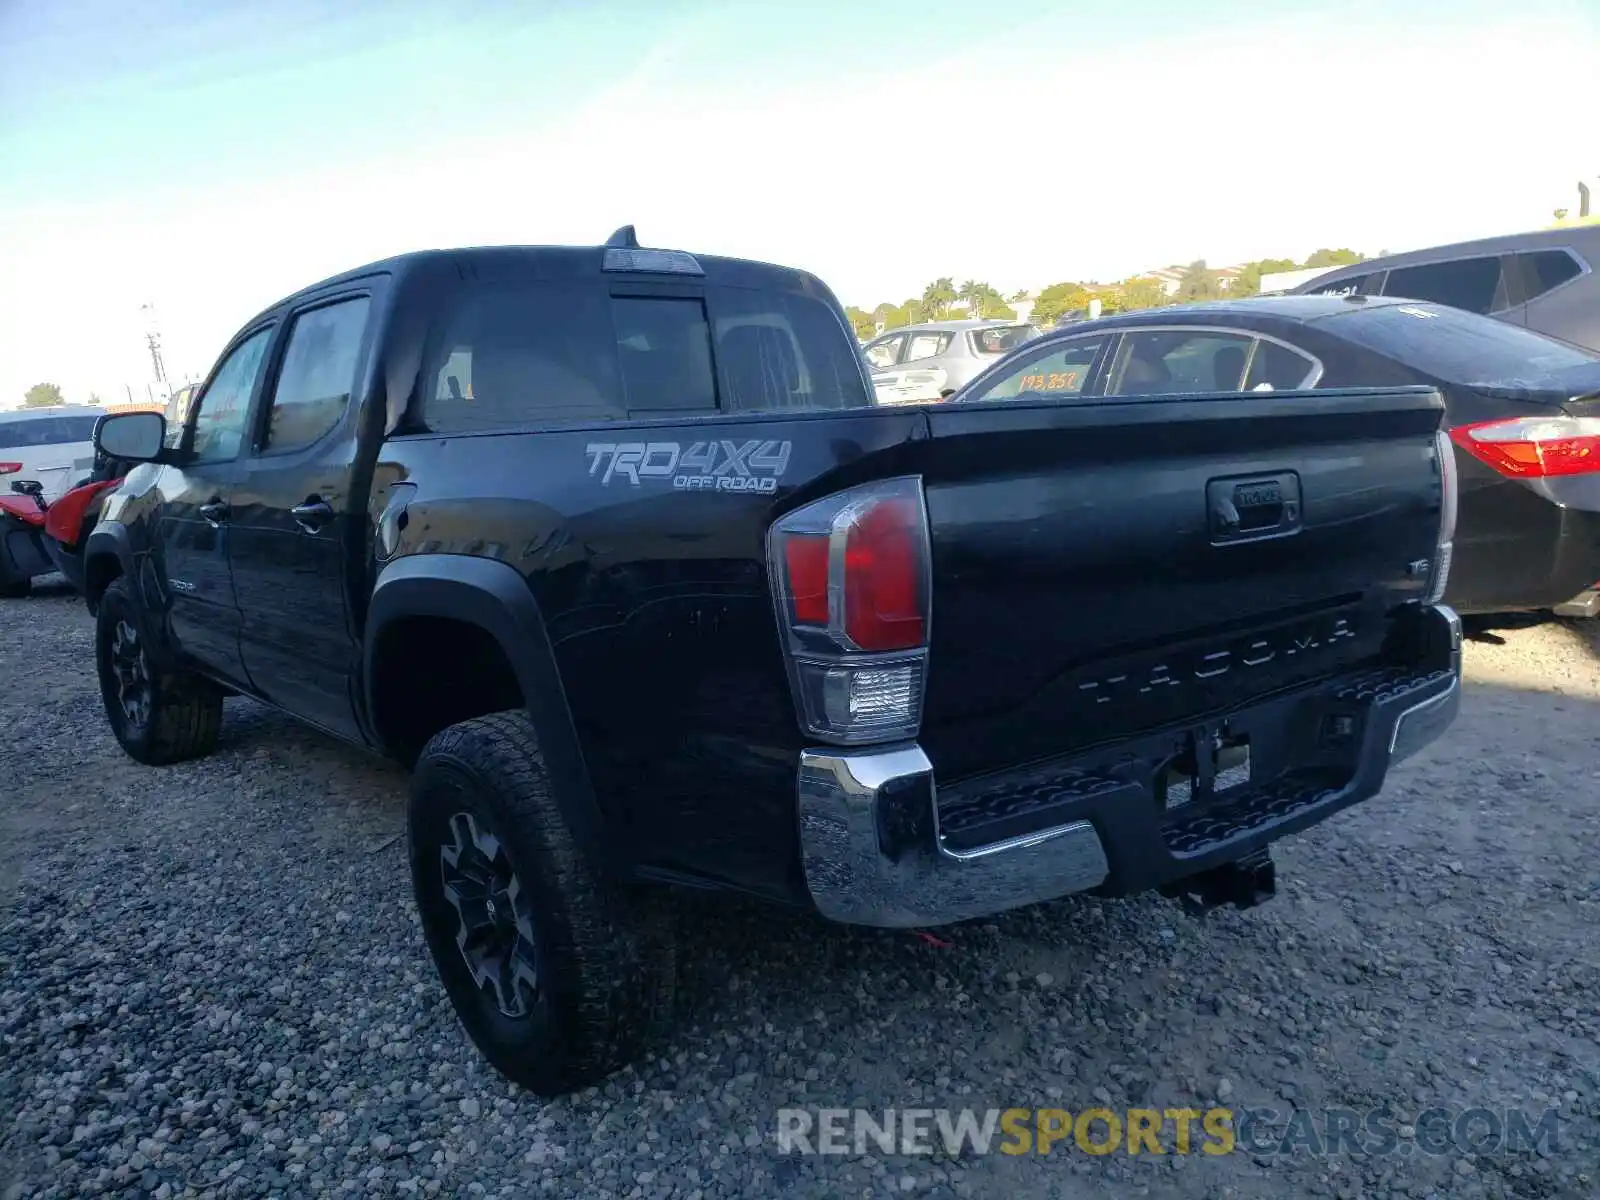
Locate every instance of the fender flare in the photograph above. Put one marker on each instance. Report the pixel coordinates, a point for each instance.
(108, 539)
(494, 596)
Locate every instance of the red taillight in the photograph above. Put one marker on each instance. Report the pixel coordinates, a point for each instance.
(883, 577)
(805, 557)
(1534, 447)
(9, 468)
(850, 575)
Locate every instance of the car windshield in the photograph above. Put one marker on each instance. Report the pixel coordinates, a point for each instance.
(1459, 347)
(47, 431)
(1001, 339)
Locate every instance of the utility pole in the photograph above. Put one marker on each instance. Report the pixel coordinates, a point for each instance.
(152, 339)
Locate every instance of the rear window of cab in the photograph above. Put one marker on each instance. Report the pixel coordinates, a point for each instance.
(519, 354)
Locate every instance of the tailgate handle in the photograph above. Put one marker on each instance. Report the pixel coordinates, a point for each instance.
(1250, 508)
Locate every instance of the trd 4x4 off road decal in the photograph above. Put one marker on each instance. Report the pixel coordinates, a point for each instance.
(721, 466)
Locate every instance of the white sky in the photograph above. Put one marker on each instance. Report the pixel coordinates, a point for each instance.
(1248, 142)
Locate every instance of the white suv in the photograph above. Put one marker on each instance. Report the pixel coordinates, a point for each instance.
(924, 364)
(53, 446)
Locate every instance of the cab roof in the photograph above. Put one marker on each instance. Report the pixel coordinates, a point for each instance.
(554, 264)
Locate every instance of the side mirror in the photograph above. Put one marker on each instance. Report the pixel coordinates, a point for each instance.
(135, 436)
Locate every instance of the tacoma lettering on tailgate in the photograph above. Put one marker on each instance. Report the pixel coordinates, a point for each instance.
(1174, 673)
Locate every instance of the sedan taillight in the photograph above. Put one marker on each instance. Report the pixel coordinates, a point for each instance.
(1534, 447)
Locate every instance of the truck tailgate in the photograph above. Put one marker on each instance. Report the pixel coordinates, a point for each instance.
(1105, 568)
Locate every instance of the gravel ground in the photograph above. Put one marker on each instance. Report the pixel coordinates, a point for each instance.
(212, 983)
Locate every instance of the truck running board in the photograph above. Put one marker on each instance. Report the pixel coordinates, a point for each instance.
(1243, 883)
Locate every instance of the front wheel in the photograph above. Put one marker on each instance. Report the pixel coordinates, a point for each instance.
(157, 716)
(558, 974)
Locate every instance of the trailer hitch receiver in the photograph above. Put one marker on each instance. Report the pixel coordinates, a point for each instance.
(1243, 883)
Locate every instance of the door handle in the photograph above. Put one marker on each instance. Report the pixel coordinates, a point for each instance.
(215, 512)
(313, 514)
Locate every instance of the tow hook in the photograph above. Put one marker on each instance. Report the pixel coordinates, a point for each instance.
(1243, 883)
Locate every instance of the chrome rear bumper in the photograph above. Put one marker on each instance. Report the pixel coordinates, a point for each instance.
(855, 877)
(873, 853)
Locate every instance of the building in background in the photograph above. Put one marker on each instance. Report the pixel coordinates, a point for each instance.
(1287, 281)
(1168, 277)
(1171, 278)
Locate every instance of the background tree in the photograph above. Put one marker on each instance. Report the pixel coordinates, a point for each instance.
(42, 395)
(1057, 300)
(863, 323)
(94, 400)
(1198, 282)
(1342, 257)
(1134, 294)
(994, 307)
(937, 298)
(985, 301)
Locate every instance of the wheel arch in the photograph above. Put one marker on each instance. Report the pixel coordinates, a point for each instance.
(107, 554)
(493, 599)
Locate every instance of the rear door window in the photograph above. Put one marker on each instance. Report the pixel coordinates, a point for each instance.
(1546, 270)
(47, 431)
(1060, 372)
(1155, 362)
(926, 345)
(1275, 368)
(1477, 285)
(318, 372)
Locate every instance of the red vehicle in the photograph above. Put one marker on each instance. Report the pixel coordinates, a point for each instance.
(37, 538)
(22, 552)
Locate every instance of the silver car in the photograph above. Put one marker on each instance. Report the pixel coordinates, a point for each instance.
(924, 363)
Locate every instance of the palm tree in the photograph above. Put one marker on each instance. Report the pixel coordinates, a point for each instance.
(938, 296)
(973, 293)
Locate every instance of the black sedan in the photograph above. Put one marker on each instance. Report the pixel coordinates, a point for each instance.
(1522, 409)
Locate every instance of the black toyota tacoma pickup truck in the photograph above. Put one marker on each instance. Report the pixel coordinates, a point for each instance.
(613, 548)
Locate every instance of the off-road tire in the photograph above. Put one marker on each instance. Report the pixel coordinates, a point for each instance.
(605, 952)
(185, 710)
